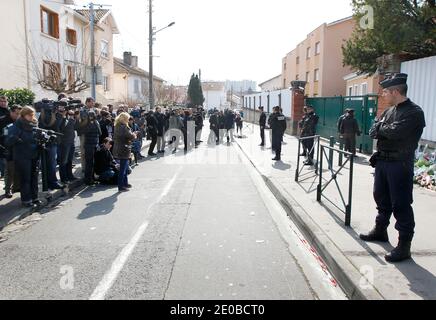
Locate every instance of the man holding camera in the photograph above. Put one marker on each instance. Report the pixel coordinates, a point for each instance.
(12, 181)
(81, 124)
(5, 120)
(66, 147)
(398, 132)
(50, 119)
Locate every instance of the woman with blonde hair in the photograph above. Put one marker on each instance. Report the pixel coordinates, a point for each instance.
(25, 154)
(123, 138)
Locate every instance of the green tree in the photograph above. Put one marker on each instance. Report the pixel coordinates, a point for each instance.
(18, 96)
(405, 27)
(195, 92)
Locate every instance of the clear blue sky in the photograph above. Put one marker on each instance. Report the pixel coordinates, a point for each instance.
(227, 39)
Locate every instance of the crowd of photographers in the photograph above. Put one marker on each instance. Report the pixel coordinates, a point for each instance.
(43, 137)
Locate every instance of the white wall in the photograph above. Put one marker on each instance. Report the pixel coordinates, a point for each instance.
(422, 90)
(262, 100)
(215, 99)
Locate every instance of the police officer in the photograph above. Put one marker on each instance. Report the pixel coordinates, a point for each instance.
(278, 127)
(262, 124)
(349, 128)
(398, 132)
(308, 130)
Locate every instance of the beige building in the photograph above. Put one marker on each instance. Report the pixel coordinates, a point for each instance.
(130, 83)
(359, 85)
(272, 84)
(318, 60)
(105, 28)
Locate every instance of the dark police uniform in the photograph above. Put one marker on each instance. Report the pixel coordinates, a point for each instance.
(278, 127)
(398, 132)
(308, 129)
(262, 124)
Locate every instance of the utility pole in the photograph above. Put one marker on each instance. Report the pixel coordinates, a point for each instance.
(150, 61)
(94, 75)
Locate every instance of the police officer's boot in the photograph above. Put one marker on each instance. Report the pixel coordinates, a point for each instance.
(376, 235)
(400, 253)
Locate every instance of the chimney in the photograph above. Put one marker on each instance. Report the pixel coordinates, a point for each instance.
(134, 61)
(127, 58)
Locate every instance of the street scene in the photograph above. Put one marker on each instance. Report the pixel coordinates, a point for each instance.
(148, 152)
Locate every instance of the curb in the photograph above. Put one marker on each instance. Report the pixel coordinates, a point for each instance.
(347, 275)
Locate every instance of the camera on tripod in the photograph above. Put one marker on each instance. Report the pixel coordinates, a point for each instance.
(44, 137)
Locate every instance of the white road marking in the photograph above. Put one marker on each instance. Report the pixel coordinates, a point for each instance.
(112, 274)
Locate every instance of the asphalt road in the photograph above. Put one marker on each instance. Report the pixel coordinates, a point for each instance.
(195, 226)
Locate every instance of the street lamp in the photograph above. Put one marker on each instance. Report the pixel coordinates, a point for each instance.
(151, 35)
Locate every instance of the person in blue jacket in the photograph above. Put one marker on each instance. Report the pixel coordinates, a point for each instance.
(26, 155)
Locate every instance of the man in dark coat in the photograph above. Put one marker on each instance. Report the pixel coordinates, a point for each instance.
(214, 127)
(12, 176)
(229, 123)
(262, 124)
(92, 134)
(152, 132)
(5, 120)
(67, 147)
(398, 131)
(278, 128)
(349, 128)
(308, 129)
(105, 165)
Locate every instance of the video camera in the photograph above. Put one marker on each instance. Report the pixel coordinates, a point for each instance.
(51, 105)
(44, 137)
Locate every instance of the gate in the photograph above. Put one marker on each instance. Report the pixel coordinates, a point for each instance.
(329, 109)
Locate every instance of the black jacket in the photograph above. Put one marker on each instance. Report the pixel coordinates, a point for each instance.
(152, 125)
(67, 128)
(22, 138)
(399, 129)
(308, 126)
(229, 120)
(262, 119)
(5, 120)
(161, 123)
(349, 126)
(92, 133)
(104, 161)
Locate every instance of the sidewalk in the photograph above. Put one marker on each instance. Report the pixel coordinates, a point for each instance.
(359, 267)
(11, 210)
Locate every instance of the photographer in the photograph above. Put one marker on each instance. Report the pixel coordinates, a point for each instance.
(105, 167)
(81, 124)
(12, 183)
(66, 147)
(25, 154)
(5, 120)
(91, 138)
(50, 119)
(106, 125)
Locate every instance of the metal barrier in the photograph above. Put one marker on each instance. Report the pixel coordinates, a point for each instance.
(316, 143)
(321, 188)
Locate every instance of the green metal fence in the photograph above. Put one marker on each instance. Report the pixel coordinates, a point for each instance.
(329, 109)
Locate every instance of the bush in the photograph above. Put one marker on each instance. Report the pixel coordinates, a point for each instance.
(22, 97)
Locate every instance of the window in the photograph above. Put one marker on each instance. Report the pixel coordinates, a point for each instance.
(254, 101)
(136, 87)
(284, 66)
(71, 37)
(280, 100)
(308, 53)
(284, 83)
(298, 60)
(297, 77)
(106, 83)
(316, 75)
(49, 22)
(364, 89)
(350, 91)
(307, 76)
(104, 48)
(51, 72)
(356, 90)
(317, 48)
(260, 101)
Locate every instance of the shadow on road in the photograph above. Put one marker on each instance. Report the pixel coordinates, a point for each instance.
(280, 165)
(421, 281)
(99, 208)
